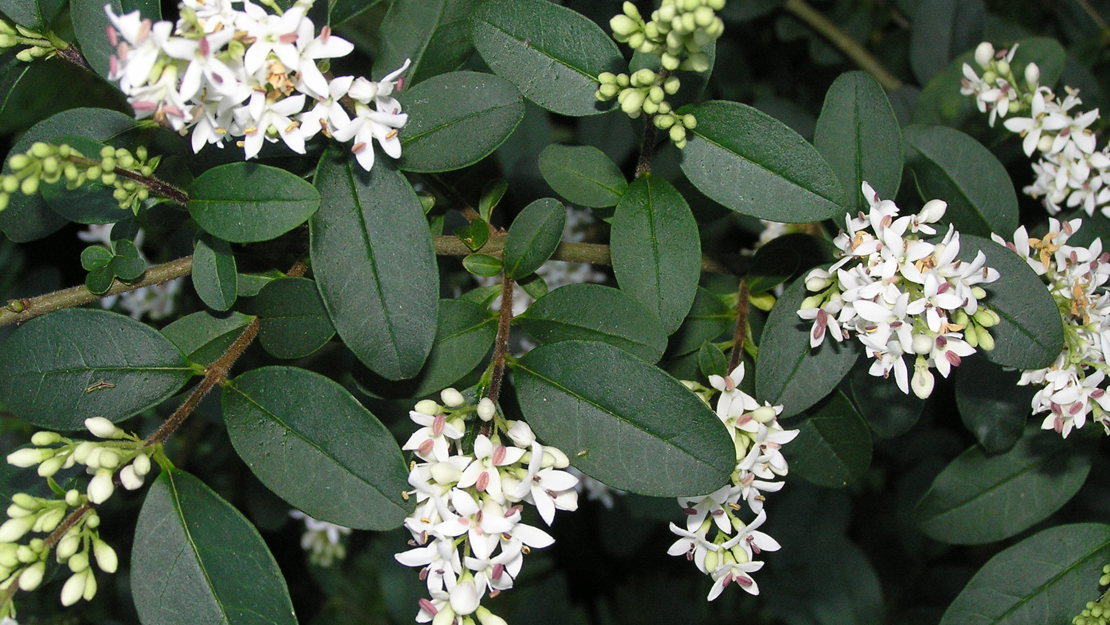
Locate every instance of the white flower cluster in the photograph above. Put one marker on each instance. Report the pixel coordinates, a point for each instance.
(467, 534)
(901, 295)
(225, 71)
(730, 556)
(1070, 171)
(156, 301)
(322, 540)
(1073, 387)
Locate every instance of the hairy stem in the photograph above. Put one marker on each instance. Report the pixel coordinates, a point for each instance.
(71, 54)
(501, 343)
(647, 147)
(741, 333)
(843, 42)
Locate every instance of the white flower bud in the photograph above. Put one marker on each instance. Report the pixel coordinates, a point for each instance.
(101, 487)
(9, 557)
(14, 529)
(764, 414)
(51, 466)
(81, 453)
(558, 460)
(984, 54)
(141, 464)
(29, 456)
(93, 458)
(922, 382)
(109, 458)
(485, 617)
(932, 211)
(922, 344)
(67, 547)
(1032, 76)
(90, 586)
(452, 398)
(816, 282)
(27, 502)
(106, 558)
(521, 434)
(74, 588)
(73, 497)
(49, 519)
(31, 577)
(79, 562)
(42, 439)
(486, 409)
(445, 473)
(25, 554)
(464, 596)
(129, 479)
(445, 616)
(102, 428)
(428, 407)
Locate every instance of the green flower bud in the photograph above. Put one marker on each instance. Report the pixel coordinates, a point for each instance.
(106, 559)
(649, 107)
(689, 23)
(986, 318)
(986, 341)
(108, 178)
(664, 108)
(143, 194)
(49, 467)
(696, 63)
(656, 94)
(79, 562)
(607, 92)
(125, 160)
(25, 501)
(623, 26)
(643, 78)
(631, 101)
(651, 30)
(689, 121)
(25, 55)
(703, 16)
(671, 85)
(31, 577)
(636, 40)
(140, 153)
(669, 61)
(67, 546)
(678, 133)
(41, 150)
(19, 161)
(93, 172)
(73, 497)
(690, 5)
(663, 122)
(108, 164)
(666, 13)
(9, 184)
(971, 337)
(1002, 67)
(631, 11)
(71, 172)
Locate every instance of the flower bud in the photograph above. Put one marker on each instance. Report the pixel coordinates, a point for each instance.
(711, 559)
(445, 616)
(106, 559)
(101, 487)
(14, 529)
(129, 479)
(521, 434)
(1032, 76)
(978, 292)
(452, 398)
(623, 26)
(558, 459)
(632, 101)
(79, 562)
(49, 519)
(922, 344)
(67, 547)
(445, 473)
(81, 452)
(816, 281)
(643, 78)
(669, 61)
(630, 10)
(74, 588)
(27, 502)
(464, 597)
(932, 211)
(922, 382)
(984, 53)
(764, 414)
(428, 407)
(29, 456)
(73, 498)
(486, 409)
(31, 576)
(678, 133)
(9, 184)
(664, 122)
(986, 341)
(485, 617)
(141, 464)
(109, 458)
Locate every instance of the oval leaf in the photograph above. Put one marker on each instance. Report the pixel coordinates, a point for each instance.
(533, 237)
(1027, 483)
(583, 175)
(941, 30)
(433, 34)
(294, 322)
(203, 337)
(196, 560)
(753, 164)
(655, 249)
(584, 312)
(709, 318)
(647, 434)
(551, 53)
(374, 265)
(345, 468)
(215, 277)
(992, 405)
(833, 447)
(456, 120)
(885, 408)
(248, 202)
(62, 368)
(1046, 578)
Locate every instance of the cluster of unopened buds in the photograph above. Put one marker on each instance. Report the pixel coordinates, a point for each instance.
(227, 72)
(46, 163)
(901, 295)
(677, 33)
(468, 536)
(1097, 612)
(1074, 386)
(730, 556)
(120, 456)
(1070, 172)
(36, 45)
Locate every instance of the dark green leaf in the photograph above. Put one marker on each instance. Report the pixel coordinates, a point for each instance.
(647, 434)
(992, 405)
(492, 193)
(586, 312)
(788, 371)
(308, 440)
(90, 24)
(215, 277)
(753, 164)
(434, 34)
(941, 30)
(100, 280)
(203, 337)
(456, 120)
(859, 136)
(655, 249)
(34, 14)
(980, 499)
(95, 257)
(482, 265)
(248, 202)
(62, 368)
(250, 284)
(711, 360)
(474, 235)
(1046, 578)
(196, 560)
(583, 175)
(1031, 333)
(534, 285)
(786, 257)
(128, 269)
(533, 237)
(340, 11)
(374, 265)
(888, 410)
(949, 165)
(833, 447)
(709, 318)
(90, 203)
(552, 54)
(294, 320)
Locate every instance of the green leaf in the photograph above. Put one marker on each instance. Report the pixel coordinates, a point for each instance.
(345, 468)
(100, 280)
(534, 285)
(980, 499)
(215, 276)
(551, 53)
(1046, 578)
(456, 120)
(1031, 333)
(992, 405)
(583, 175)
(294, 322)
(90, 24)
(833, 447)
(785, 258)
(128, 269)
(474, 235)
(941, 30)
(949, 165)
(95, 257)
(64, 367)
(859, 137)
(433, 34)
(482, 265)
(340, 11)
(647, 433)
(492, 193)
(884, 407)
(90, 203)
(788, 371)
(203, 337)
(655, 249)
(533, 237)
(196, 560)
(34, 14)
(711, 360)
(248, 202)
(709, 318)
(374, 265)
(753, 164)
(586, 312)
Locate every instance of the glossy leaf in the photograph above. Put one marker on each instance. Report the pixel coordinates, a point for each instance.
(433, 34)
(655, 249)
(483, 265)
(248, 202)
(950, 165)
(62, 368)
(90, 203)
(583, 175)
(753, 164)
(646, 434)
(1031, 333)
(980, 499)
(833, 447)
(456, 120)
(294, 322)
(884, 407)
(788, 371)
(204, 337)
(308, 440)
(474, 235)
(533, 237)
(709, 318)
(941, 30)
(551, 53)
(711, 360)
(785, 258)
(859, 136)
(215, 277)
(586, 312)
(90, 24)
(196, 560)
(374, 265)
(992, 405)
(1046, 578)
(34, 14)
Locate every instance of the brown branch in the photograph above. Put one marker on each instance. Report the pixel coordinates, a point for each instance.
(843, 42)
(741, 333)
(72, 55)
(501, 343)
(647, 147)
(158, 187)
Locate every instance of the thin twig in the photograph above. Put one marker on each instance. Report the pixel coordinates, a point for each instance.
(647, 147)
(741, 333)
(843, 42)
(501, 343)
